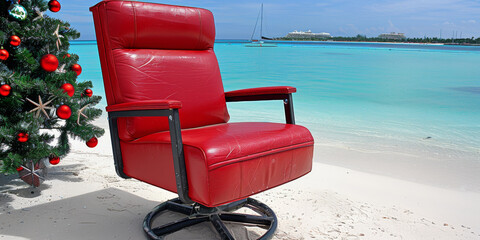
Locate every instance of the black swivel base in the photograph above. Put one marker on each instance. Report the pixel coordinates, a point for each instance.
(197, 213)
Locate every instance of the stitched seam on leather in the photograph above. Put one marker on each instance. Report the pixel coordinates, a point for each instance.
(259, 154)
(104, 47)
(240, 159)
(108, 51)
(134, 25)
(207, 170)
(208, 175)
(201, 28)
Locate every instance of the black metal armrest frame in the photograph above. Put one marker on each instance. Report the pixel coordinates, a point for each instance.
(286, 98)
(175, 136)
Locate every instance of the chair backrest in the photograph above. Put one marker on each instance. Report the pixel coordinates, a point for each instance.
(153, 51)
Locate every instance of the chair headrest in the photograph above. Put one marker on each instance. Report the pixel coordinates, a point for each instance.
(139, 25)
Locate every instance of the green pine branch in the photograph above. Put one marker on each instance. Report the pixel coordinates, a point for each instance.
(23, 72)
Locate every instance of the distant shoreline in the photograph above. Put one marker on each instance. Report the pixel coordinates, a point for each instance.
(397, 43)
(432, 46)
(415, 43)
(315, 41)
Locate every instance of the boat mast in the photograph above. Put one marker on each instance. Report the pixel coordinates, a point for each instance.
(261, 23)
(256, 22)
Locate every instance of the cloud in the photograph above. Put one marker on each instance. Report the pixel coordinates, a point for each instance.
(354, 28)
(392, 27)
(427, 6)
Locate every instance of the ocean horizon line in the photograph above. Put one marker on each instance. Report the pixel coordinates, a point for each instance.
(390, 45)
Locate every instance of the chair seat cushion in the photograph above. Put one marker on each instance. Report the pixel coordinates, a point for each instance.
(225, 162)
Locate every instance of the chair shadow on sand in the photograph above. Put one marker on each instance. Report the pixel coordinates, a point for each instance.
(106, 214)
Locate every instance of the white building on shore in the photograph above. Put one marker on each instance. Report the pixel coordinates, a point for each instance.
(392, 36)
(308, 35)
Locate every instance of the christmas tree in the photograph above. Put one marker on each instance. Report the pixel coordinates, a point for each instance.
(41, 102)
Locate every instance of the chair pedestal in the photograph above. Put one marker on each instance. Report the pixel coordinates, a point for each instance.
(197, 213)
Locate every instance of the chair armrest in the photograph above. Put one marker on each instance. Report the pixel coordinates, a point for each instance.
(283, 93)
(152, 108)
(145, 105)
(262, 91)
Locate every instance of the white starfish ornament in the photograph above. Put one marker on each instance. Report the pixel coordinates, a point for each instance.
(80, 113)
(61, 69)
(57, 34)
(39, 13)
(40, 107)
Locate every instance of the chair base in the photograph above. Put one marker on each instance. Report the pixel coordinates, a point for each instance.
(197, 213)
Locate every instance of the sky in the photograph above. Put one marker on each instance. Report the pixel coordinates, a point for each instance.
(235, 19)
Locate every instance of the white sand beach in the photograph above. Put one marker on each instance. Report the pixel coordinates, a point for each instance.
(83, 198)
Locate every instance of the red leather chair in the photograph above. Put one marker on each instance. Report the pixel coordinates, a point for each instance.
(169, 121)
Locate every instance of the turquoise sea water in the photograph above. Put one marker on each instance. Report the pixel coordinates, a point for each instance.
(369, 96)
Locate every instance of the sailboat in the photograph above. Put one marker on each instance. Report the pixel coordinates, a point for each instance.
(259, 43)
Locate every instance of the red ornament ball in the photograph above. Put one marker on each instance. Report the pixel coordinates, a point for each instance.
(69, 89)
(22, 137)
(77, 68)
(19, 169)
(67, 55)
(15, 41)
(64, 112)
(5, 90)
(54, 6)
(4, 54)
(92, 142)
(49, 63)
(53, 159)
(88, 92)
